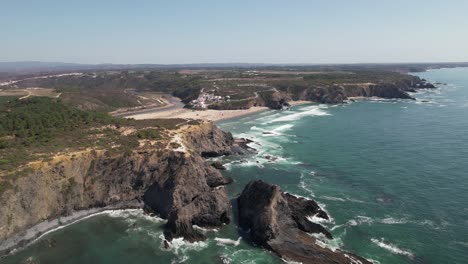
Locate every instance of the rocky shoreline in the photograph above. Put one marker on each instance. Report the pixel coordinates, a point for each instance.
(337, 94)
(175, 183)
(25, 238)
(277, 221)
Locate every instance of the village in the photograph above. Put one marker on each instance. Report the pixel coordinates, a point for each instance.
(205, 99)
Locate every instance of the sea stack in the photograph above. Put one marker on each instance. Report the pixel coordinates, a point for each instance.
(277, 221)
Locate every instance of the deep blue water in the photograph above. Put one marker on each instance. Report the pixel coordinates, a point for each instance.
(391, 173)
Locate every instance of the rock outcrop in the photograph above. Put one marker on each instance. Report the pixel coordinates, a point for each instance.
(278, 222)
(339, 93)
(175, 183)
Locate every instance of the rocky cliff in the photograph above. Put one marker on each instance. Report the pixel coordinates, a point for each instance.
(338, 93)
(278, 222)
(170, 177)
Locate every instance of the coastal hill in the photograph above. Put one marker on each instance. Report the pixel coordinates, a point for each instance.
(60, 164)
(222, 88)
(70, 160)
(63, 156)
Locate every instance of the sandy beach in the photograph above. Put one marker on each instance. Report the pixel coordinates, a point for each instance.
(209, 114)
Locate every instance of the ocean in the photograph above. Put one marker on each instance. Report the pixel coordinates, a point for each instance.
(392, 174)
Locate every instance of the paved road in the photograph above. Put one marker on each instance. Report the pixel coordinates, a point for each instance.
(174, 103)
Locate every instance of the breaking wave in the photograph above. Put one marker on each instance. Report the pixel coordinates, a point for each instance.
(227, 241)
(392, 248)
(303, 185)
(315, 110)
(181, 247)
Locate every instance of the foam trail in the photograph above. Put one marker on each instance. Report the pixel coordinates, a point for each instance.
(284, 127)
(392, 248)
(393, 221)
(303, 185)
(180, 247)
(227, 241)
(309, 111)
(121, 213)
(317, 220)
(332, 198)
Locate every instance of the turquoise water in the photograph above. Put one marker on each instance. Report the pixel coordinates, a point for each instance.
(391, 173)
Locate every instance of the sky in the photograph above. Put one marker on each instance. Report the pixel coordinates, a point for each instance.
(219, 31)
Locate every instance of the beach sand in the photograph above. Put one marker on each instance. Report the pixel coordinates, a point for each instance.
(209, 114)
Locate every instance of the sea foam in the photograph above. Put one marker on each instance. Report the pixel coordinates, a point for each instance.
(227, 241)
(392, 248)
(296, 115)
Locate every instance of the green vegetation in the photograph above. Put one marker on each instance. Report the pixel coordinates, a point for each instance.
(360, 76)
(110, 90)
(36, 127)
(148, 134)
(36, 120)
(5, 100)
(40, 125)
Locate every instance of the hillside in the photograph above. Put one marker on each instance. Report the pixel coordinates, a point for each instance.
(37, 127)
(79, 163)
(227, 88)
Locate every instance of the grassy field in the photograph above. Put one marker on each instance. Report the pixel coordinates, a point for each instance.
(27, 92)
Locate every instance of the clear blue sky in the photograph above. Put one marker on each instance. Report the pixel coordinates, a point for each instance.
(287, 31)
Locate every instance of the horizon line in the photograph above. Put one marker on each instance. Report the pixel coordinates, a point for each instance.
(252, 63)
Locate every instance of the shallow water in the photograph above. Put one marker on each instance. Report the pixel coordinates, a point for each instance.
(391, 173)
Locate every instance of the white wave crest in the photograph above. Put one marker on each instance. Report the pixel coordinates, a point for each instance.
(353, 260)
(307, 111)
(365, 219)
(360, 219)
(317, 220)
(392, 248)
(180, 248)
(332, 198)
(283, 127)
(393, 221)
(205, 230)
(135, 213)
(290, 261)
(335, 227)
(227, 241)
(303, 185)
(324, 242)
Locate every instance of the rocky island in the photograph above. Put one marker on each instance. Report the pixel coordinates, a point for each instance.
(278, 222)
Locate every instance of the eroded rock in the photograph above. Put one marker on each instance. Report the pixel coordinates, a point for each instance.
(278, 222)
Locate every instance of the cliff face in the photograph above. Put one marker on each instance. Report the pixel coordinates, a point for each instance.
(340, 92)
(278, 221)
(174, 181)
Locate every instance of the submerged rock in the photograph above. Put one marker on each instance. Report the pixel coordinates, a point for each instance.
(218, 165)
(278, 222)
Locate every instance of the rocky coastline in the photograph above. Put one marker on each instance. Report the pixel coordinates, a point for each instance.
(175, 183)
(277, 221)
(337, 94)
